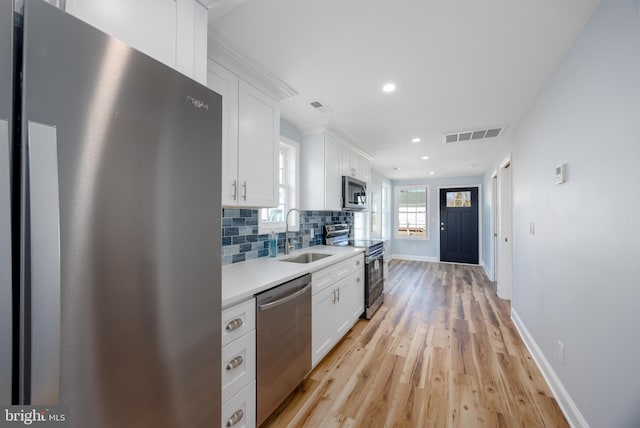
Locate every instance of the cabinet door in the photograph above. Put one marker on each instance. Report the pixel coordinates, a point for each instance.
(258, 143)
(225, 83)
(333, 174)
(350, 301)
(347, 166)
(356, 295)
(365, 169)
(344, 306)
(323, 330)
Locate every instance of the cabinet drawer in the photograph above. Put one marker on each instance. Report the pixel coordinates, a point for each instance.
(322, 279)
(240, 410)
(356, 263)
(238, 320)
(238, 364)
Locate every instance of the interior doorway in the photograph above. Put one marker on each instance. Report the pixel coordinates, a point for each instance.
(505, 230)
(494, 226)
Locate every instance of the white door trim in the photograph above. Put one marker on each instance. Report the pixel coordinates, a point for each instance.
(504, 253)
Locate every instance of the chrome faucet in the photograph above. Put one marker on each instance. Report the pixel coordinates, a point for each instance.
(286, 230)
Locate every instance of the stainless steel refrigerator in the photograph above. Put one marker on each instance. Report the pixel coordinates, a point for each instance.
(109, 226)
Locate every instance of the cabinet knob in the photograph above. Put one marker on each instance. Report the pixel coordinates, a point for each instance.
(234, 324)
(235, 362)
(235, 418)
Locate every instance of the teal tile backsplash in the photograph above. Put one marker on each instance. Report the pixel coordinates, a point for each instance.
(241, 241)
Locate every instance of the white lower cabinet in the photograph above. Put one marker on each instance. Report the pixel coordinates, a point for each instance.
(336, 306)
(323, 331)
(239, 365)
(240, 410)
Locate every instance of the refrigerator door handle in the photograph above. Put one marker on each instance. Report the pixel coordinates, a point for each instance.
(5, 265)
(44, 258)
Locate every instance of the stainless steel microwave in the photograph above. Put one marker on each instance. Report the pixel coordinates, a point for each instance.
(354, 193)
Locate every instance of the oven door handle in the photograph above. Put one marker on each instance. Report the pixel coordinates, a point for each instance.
(373, 258)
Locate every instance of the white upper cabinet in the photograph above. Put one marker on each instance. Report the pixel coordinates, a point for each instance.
(321, 173)
(258, 147)
(173, 32)
(350, 162)
(225, 83)
(354, 164)
(250, 136)
(325, 159)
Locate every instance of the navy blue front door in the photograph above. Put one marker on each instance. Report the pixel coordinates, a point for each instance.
(459, 225)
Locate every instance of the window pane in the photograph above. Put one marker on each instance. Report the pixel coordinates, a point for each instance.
(412, 212)
(458, 199)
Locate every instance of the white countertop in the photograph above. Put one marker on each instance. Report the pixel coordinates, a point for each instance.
(241, 281)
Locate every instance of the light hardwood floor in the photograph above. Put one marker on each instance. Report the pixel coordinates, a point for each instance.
(441, 352)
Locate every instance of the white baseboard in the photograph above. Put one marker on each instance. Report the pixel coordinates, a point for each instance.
(568, 407)
(415, 258)
(487, 271)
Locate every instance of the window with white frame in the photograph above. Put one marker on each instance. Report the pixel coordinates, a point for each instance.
(412, 212)
(273, 219)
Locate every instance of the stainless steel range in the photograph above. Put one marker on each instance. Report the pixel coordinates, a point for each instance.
(338, 234)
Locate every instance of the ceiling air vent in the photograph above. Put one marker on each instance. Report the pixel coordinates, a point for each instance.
(472, 135)
(321, 106)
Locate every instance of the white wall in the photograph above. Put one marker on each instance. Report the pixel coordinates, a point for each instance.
(428, 250)
(290, 131)
(577, 280)
(375, 195)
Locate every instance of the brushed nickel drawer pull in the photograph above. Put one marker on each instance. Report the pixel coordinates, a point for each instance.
(234, 324)
(235, 362)
(235, 418)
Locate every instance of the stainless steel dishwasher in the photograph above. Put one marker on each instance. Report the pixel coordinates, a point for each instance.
(283, 344)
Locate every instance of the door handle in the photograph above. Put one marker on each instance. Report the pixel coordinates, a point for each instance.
(5, 263)
(235, 190)
(43, 238)
(285, 299)
(244, 196)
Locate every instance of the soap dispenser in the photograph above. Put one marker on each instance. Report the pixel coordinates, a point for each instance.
(273, 244)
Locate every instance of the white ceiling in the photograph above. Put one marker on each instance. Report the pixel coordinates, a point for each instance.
(458, 65)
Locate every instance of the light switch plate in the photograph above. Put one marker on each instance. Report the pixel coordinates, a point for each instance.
(560, 173)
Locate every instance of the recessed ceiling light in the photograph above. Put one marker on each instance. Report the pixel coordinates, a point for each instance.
(389, 87)
(424, 157)
(396, 168)
(432, 173)
(415, 140)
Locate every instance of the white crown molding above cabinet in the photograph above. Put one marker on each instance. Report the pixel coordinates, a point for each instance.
(337, 131)
(222, 52)
(220, 8)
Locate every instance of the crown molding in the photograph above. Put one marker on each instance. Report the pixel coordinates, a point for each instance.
(331, 127)
(223, 52)
(220, 8)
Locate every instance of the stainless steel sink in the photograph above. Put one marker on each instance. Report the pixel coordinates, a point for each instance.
(306, 258)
